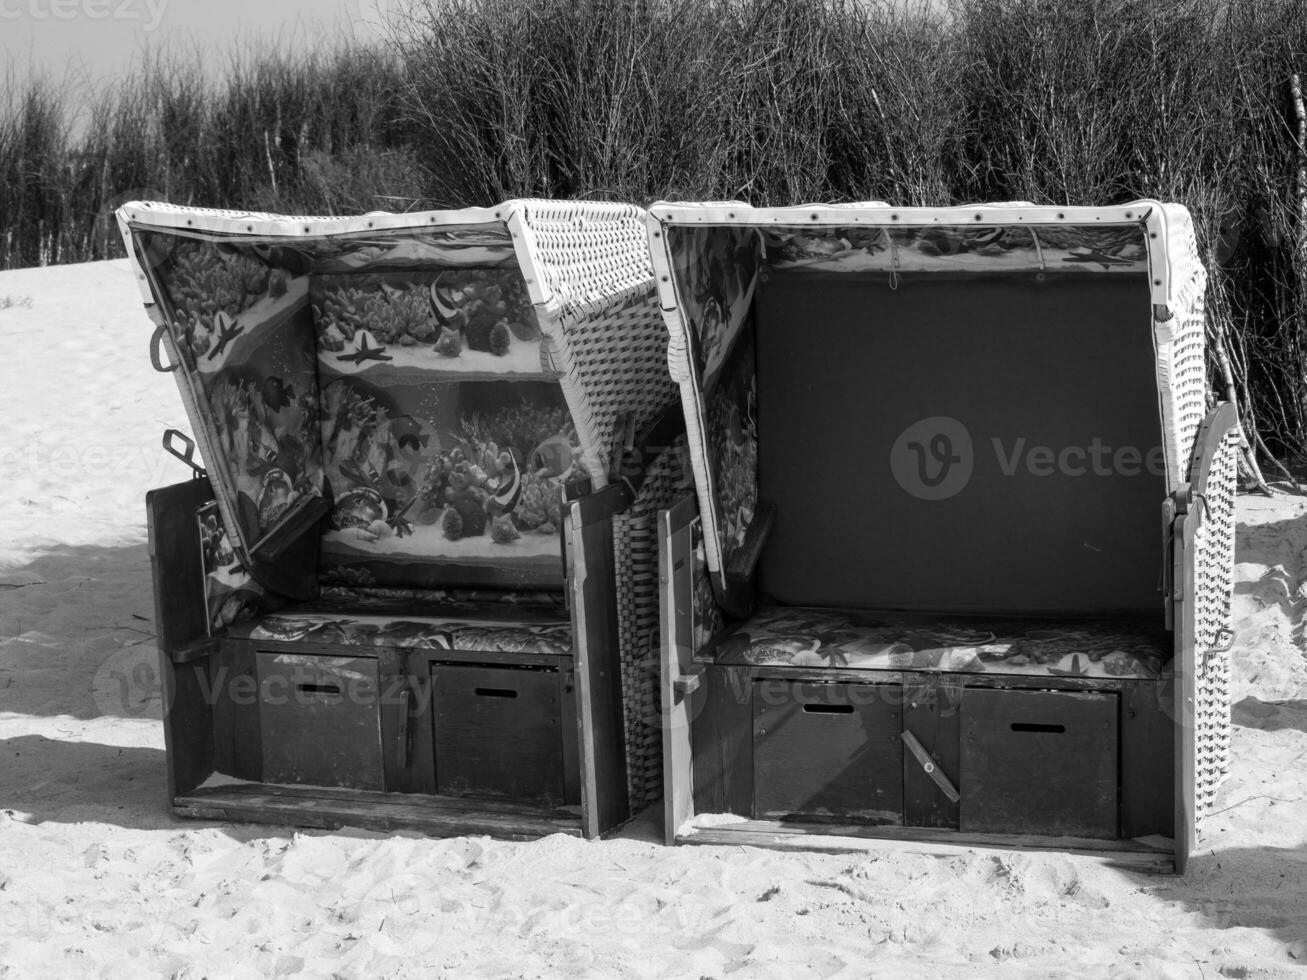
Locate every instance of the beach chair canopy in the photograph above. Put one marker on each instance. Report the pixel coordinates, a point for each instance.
(975, 409)
(435, 381)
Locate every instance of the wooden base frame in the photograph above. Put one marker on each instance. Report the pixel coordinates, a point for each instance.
(920, 759)
(324, 735)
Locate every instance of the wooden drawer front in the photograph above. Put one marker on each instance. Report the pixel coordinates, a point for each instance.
(828, 751)
(1039, 762)
(320, 720)
(498, 732)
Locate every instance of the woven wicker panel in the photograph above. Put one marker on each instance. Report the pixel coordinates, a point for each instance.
(635, 546)
(589, 252)
(1182, 346)
(1213, 591)
(616, 364)
(609, 342)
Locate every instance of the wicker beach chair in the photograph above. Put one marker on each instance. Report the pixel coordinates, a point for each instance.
(958, 564)
(391, 598)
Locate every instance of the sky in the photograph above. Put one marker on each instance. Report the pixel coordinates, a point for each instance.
(95, 40)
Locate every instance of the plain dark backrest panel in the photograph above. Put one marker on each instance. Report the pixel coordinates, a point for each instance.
(846, 365)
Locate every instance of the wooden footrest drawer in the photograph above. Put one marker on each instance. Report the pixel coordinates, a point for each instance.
(320, 720)
(498, 732)
(1040, 762)
(828, 751)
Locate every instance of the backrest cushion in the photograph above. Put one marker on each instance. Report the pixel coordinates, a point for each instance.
(973, 443)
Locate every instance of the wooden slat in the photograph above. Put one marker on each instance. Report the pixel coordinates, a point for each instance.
(592, 577)
(830, 838)
(931, 713)
(465, 804)
(330, 809)
(397, 705)
(721, 731)
(1185, 702)
(187, 724)
(178, 571)
(569, 727)
(676, 655)
(234, 693)
(1147, 758)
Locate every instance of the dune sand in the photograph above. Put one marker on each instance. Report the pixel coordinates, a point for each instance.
(97, 879)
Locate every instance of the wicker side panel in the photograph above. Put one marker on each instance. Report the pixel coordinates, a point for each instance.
(1213, 591)
(617, 357)
(1182, 349)
(635, 544)
(609, 343)
(589, 252)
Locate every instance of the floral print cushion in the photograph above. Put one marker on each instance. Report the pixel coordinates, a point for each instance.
(451, 625)
(801, 637)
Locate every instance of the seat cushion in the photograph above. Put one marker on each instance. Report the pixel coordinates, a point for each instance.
(476, 627)
(807, 637)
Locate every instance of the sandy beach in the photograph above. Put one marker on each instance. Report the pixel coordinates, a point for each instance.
(98, 879)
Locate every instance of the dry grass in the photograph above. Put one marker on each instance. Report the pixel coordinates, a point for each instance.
(773, 101)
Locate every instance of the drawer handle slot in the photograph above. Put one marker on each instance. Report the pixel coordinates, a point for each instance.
(828, 709)
(495, 692)
(326, 690)
(1030, 726)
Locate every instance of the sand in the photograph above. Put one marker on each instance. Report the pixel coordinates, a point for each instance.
(98, 879)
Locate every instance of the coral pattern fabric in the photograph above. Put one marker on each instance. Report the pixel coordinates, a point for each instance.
(239, 320)
(447, 439)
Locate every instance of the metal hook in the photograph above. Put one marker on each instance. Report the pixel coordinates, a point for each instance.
(156, 350)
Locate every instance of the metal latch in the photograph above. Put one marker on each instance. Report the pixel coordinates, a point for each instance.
(186, 454)
(930, 766)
